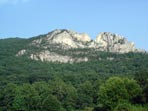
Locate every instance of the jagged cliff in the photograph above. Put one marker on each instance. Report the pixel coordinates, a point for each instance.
(115, 43)
(64, 40)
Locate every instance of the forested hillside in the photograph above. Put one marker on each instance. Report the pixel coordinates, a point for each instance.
(106, 82)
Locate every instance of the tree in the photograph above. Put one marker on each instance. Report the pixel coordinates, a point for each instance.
(47, 102)
(116, 90)
(85, 93)
(65, 93)
(8, 95)
(34, 97)
(19, 104)
(142, 79)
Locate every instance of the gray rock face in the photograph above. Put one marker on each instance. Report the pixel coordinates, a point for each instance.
(21, 52)
(67, 39)
(115, 43)
(54, 57)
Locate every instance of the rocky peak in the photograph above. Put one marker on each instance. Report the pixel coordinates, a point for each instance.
(62, 34)
(115, 43)
(57, 42)
(67, 38)
(105, 41)
(107, 38)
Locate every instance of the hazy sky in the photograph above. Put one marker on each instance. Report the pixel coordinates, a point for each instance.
(26, 18)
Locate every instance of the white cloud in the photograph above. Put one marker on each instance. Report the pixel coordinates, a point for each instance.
(13, 1)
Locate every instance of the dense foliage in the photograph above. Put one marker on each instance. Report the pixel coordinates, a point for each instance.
(100, 84)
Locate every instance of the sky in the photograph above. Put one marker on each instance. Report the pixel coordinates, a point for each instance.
(27, 18)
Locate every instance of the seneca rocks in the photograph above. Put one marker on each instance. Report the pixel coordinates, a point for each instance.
(67, 39)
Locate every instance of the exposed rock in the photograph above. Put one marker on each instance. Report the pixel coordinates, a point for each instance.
(82, 37)
(114, 43)
(63, 40)
(105, 41)
(53, 57)
(21, 52)
(37, 41)
(68, 38)
(110, 58)
(48, 56)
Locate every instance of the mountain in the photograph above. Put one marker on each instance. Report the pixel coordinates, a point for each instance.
(67, 71)
(58, 44)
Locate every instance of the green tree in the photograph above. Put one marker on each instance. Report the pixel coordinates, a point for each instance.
(8, 95)
(65, 93)
(47, 102)
(35, 97)
(116, 90)
(142, 79)
(85, 93)
(19, 104)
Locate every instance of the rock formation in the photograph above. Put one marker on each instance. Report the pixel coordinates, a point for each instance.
(115, 43)
(63, 40)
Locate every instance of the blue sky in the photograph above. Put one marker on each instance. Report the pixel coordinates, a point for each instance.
(27, 18)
